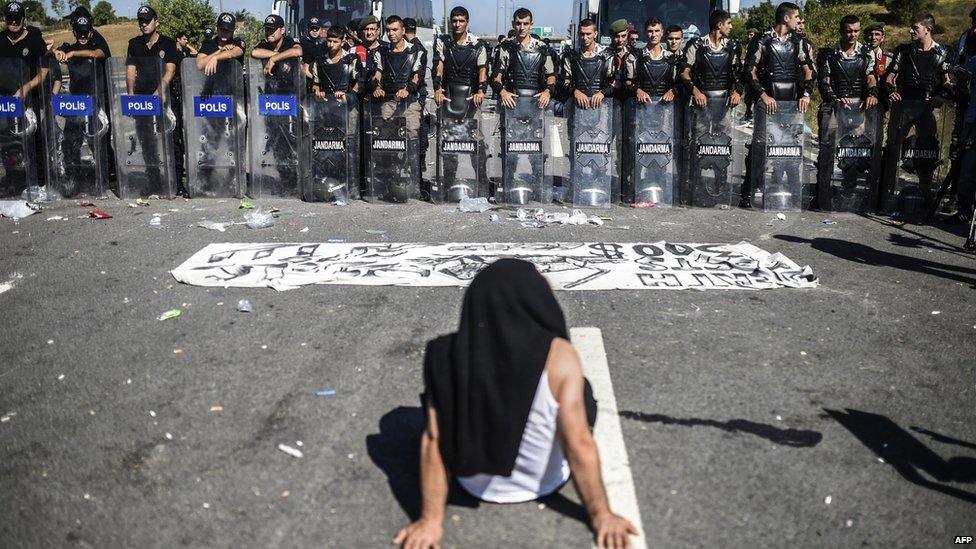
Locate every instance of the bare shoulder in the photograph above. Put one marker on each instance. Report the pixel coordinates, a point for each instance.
(563, 365)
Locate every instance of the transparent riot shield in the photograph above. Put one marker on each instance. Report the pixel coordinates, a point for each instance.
(849, 180)
(215, 124)
(593, 149)
(461, 153)
(525, 146)
(275, 118)
(783, 175)
(716, 154)
(654, 152)
(332, 149)
(77, 129)
(18, 126)
(142, 128)
(912, 155)
(392, 164)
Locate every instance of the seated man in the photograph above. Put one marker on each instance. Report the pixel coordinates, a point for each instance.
(513, 343)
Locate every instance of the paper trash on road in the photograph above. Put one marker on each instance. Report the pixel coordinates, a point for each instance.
(17, 209)
(293, 452)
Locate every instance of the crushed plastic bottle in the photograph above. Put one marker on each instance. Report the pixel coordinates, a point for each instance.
(36, 193)
(213, 225)
(155, 221)
(476, 205)
(245, 306)
(257, 219)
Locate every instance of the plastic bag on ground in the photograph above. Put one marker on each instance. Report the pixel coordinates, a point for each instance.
(477, 205)
(257, 219)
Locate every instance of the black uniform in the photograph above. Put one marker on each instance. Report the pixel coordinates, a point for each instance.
(460, 79)
(147, 82)
(842, 78)
(32, 49)
(221, 82)
(715, 73)
(920, 77)
(282, 130)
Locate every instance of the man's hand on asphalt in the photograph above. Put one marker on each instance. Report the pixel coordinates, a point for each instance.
(423, 534)
(612, 531)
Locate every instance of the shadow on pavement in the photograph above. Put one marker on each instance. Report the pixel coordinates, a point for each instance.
(909, 456)
(799, 438)
(861, 253)
(396, 451)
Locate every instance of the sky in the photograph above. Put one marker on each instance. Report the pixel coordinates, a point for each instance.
(547, 13)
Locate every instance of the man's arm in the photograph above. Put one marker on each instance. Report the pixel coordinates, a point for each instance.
(167, 78)
(233, 52)
(292, 52)
(130, 78)
(566, 383)
(428, 529)
(262, 53)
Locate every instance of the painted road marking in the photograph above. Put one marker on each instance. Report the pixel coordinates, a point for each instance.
(614, 465)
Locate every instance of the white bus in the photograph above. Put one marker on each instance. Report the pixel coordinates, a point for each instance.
(692, 15)
(340, 12)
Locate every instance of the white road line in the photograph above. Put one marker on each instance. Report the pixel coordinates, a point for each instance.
(614, 464)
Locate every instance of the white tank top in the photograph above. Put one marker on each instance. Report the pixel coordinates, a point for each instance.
(540, 468)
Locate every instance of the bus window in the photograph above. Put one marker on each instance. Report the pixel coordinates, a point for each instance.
(692, 15)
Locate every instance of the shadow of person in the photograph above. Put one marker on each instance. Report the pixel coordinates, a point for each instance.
(909, 456)
(864, 254)
(396, 451)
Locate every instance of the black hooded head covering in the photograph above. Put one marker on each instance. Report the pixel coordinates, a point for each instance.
(482, 379)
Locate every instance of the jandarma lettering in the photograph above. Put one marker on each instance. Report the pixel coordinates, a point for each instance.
(784, 151)
(922, 154)
(524, 147)
(390, 145)
(654, 148)
(592, 148)
(714, 150)
(329, 145)
(854, 152)
(458, 146)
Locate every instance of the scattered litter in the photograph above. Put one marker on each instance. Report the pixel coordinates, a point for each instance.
(246, 205)
(340, 202)
(829, 222)
(828, 499)
(87, 204)
(50, 342)
(299, 443)
(61, 377)
(214, 226)
(142, 202)
(881, 460)
(532, 224)
(245, 306)
(325, 393)
(293, 452)
(132, 205)
(542, 506)
(7, 417)
(493, 218)
(155, 221)
(336, 240)
(781, 217)
(55, 218)
(264, 346)
(476, 205)
(99, 214)
(168, 436)
(172, 313)
(274, 210)
(375, 231)
(724, 207)
(216, 408)
(577, 217)
(305, 230)
(936, 313)
(643, 204)
(803, 353)
(177, 351)
(779, 418)
(256, 219)
(849, 522)
(152, 413)
(174, 210)
(86, 495)
(285, 493)
(36, 193)
(351, 456)
(455, 518)
(17, 209)
(206, 505)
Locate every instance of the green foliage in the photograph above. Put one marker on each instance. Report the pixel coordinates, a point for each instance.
(34, 11)
(761, 17)
(903, 10)
(251, 31)
(59, 7)
(189, 16)
(103, 13)
(73, 4)
(740, 30)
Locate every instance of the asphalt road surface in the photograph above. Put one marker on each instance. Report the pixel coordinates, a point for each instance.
(831, 417)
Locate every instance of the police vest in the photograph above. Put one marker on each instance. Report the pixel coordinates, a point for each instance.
(461, 62)
(590, 73)
(526, 68)
(398, 68)
(919, 71)
(848, 75)
(655, 76)
(714, 70)
(780, 68)
(336, 77)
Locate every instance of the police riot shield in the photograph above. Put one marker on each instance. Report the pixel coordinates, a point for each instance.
(716, 153)
(461, 152)
(525, 146)
(848, 160)
(142, 128)
(783, 176)
(275, 118)
(215, 124)
(911, 157)
(393, 164)
(654, 152)
(18, 126)
(77, 129)
(593, 148)
(332, 148)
